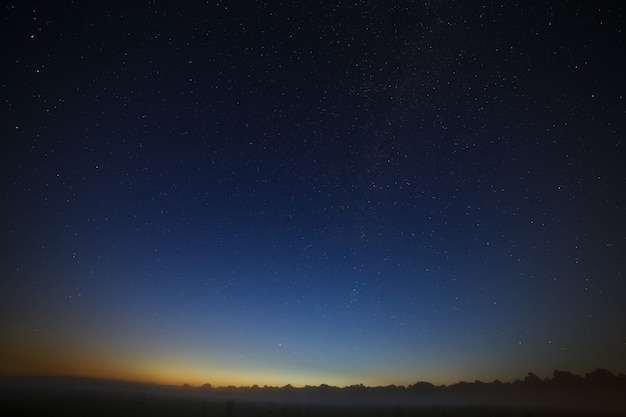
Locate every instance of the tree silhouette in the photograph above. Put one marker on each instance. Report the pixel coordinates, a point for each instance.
(532, 379)
(565, 379)
(601, 377)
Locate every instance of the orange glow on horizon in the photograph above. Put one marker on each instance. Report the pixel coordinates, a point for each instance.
(159, 368)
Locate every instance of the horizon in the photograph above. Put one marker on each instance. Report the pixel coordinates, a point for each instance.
(597, 393)
(520, 379)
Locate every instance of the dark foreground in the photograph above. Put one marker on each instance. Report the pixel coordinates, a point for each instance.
(84, 397)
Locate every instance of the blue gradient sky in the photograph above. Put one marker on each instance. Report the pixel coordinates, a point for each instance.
(340, 194)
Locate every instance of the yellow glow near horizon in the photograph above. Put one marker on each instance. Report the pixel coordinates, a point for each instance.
(188, 367)
(160, 369)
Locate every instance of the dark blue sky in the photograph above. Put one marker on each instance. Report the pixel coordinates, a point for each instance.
(377, 192)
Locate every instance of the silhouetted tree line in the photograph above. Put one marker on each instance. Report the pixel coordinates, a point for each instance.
(600, 378)
(597, 387)
(597, 390)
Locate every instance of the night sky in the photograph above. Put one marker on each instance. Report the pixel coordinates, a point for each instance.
(376, 192)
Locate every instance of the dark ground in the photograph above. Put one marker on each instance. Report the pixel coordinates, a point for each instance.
(88, 397)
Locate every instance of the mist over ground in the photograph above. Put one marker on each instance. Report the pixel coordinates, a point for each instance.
(597, 393)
